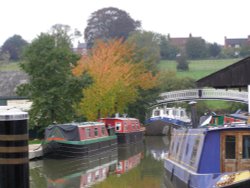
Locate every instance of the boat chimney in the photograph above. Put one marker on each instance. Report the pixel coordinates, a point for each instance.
(194, 114)
(117, 115)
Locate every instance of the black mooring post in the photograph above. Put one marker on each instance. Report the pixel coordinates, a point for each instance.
(14, 160)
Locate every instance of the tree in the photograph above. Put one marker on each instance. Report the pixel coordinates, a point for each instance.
(196, 48)
(14, 47)
(245, 50)
(182, 63)
(116, 79)
(147, 49)
(167, 50)
(109, 23)
(52, 87)
(214, 50)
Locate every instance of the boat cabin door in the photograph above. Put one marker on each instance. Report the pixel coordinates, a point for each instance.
(235, 151)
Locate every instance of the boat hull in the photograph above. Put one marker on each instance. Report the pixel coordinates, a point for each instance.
(176, 177)
(130, 137)
(72, 149)
(159, 128)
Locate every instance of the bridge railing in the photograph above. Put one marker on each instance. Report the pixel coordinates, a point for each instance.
(196, 94)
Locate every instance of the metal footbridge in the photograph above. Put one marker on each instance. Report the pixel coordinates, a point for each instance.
(203, 94)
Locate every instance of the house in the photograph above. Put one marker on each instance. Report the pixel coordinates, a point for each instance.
(180, 42)
(236, 42)
(81, 48)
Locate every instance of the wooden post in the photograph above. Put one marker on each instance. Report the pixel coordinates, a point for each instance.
(14, 160)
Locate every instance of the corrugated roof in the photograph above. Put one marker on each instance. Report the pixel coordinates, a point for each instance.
(236, 75)
(9, 80)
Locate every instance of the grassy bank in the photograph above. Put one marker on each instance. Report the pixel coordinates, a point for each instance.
(10, 66)
(197, 68)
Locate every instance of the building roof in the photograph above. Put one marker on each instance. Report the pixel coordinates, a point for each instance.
(233, 76)
(9, 80)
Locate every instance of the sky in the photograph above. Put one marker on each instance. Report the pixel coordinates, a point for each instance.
(210, 19)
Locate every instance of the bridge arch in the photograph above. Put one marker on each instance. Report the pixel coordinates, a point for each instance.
(203, 94)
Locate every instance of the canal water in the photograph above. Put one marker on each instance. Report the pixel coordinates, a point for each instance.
(136, 166)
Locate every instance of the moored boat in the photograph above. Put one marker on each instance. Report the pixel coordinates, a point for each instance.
(209, 157)
(162, 120)
(128, 130)
(78, 140)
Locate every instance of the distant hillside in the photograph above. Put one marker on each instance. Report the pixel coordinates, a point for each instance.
(198, 68)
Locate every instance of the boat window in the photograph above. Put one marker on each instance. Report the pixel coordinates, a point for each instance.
(137, 125)
(167, 112)
(187, 148)
(133, 126)
(87, 131)
(195, 151)
(103, 130)
(96, 131)
(182, 114)
(230, 147)
(174, 112)
(118, 126)
(157, 113)
(125, 126)
(246, 147)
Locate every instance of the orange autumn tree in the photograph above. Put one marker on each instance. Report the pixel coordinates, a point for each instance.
(116, 79)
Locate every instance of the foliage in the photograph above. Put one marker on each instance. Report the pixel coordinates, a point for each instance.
(196, 48)
(168, 81)
(116, 79)
(245, 50)
(146, 48)
(52, 87)
(214, 50)
(109, 23)
(182, 63)
(14, 47)
(167, 50)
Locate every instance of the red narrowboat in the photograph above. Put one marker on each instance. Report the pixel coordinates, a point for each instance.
(128, 130)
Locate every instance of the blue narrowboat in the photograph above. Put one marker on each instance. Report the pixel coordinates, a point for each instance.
(163, 119)
(209, 157)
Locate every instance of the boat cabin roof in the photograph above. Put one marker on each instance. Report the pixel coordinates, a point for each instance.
(120, 118)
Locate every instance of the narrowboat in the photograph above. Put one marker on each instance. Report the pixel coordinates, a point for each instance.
(163, 119)
(209, 157)
(84, 139)
(128, 130)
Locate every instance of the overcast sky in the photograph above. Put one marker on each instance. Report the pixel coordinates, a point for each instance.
(210, 19)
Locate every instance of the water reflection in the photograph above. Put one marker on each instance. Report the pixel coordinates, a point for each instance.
(138, 165)
(73, 172)
(129, 157)
(157, 146)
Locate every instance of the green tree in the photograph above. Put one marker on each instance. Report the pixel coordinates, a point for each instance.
(14, 47)
(109, 23)
(196, 48)
(52, 88)
(214, 50)
(182, 63)
(167, 50)
(147, 48)
(245, 50)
